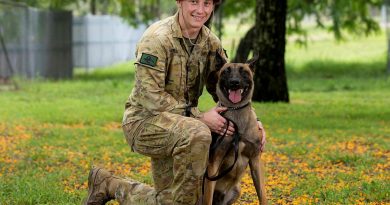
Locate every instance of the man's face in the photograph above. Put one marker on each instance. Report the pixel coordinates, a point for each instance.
(195, 13)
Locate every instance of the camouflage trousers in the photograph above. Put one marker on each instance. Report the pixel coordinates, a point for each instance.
(178, 147)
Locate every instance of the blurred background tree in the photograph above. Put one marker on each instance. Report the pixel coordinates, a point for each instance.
(276, 19)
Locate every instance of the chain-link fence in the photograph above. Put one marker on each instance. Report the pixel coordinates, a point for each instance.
(35, 43)
(49, 44)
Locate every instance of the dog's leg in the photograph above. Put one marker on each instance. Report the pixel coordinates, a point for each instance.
(257, 172)
(212, 170)
(209, 191)
(210, 185)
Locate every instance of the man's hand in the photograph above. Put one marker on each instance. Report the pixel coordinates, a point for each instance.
(216, 122)
(263, 139)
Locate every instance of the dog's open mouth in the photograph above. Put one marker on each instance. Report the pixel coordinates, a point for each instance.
(235, 96)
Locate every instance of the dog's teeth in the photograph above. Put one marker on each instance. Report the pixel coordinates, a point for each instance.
(230, 91)
(241, 91)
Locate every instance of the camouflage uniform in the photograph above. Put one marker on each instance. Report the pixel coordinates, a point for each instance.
(170, 77)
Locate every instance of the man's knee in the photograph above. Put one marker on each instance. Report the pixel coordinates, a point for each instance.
(196, 132)
(197, 139)
(193, 144)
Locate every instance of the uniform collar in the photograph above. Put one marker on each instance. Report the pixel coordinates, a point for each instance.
(176, 30)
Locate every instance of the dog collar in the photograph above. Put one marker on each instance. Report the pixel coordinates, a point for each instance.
(233, 108)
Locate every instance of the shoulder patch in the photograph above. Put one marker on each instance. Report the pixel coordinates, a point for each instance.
(148, 59)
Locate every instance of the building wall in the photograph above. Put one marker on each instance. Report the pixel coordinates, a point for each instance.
(100, 41)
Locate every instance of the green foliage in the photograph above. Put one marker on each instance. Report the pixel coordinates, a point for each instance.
(51, 4)
(334, 16)
(233, 8)
(134, 12)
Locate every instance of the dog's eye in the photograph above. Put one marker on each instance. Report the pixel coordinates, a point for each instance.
(227, 71)
(243, 71)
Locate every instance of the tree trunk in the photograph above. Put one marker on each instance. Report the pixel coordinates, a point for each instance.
(245, 46)
(93, 7)
(270, 42)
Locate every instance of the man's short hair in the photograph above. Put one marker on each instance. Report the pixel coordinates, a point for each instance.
(214, 1)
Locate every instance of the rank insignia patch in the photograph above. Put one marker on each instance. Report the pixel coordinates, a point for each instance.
(148, 59)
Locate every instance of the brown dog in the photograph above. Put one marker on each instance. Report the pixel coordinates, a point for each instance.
(234, 90)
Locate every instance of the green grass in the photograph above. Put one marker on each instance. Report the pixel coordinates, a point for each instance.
(330, 145)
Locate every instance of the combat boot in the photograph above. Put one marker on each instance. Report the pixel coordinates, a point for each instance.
(99, 187)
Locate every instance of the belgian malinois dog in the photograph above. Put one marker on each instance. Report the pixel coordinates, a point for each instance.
(234, 90)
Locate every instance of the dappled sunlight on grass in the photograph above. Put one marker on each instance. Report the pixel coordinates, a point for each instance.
(10, 138)
(320, 170)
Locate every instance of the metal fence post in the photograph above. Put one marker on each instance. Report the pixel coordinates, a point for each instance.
(11, 70)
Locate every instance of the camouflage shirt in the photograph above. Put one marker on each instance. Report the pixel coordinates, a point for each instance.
(168, 76)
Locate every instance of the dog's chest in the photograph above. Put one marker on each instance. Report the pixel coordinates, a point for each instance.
(244, 119)
(247, 129)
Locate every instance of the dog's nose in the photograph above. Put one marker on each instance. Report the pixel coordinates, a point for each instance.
(234, 82)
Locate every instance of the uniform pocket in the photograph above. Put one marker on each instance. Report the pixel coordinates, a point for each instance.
(193, 73)
(131, 130)
(174, 75)
(155, 137)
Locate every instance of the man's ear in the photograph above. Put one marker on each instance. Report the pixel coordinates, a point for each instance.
(219, 60)
(251, 62)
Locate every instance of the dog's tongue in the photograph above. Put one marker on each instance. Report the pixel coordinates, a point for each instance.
(235, 95)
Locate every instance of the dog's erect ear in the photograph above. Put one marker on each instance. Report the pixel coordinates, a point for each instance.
(219, 60)
(251, 62)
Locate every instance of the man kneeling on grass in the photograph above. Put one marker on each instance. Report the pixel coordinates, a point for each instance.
(162, 120)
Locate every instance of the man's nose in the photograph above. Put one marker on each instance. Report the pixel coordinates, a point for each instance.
(201, 8)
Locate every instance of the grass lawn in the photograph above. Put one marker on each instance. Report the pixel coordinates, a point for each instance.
(330, 145)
